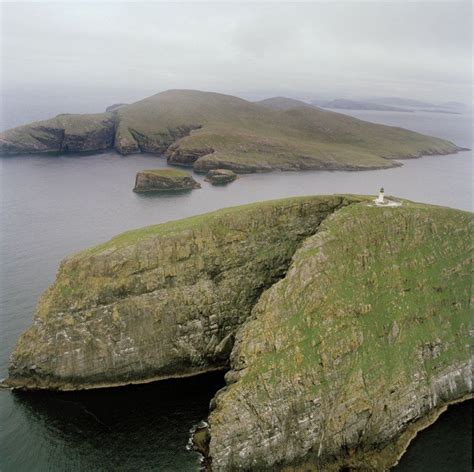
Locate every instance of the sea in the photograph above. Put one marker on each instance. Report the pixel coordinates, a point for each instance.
(51, 206)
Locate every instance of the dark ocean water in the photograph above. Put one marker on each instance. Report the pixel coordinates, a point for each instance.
(52, 206)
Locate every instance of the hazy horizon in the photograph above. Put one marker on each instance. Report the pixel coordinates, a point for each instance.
(129, 50)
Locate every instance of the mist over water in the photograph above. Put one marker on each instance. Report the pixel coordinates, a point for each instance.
(55, 205)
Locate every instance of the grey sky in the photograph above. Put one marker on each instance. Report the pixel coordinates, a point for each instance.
(323, 49)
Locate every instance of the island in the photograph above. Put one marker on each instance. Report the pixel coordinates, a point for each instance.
(220, 176)
(343, 325)
(205, 131)
(164, 180)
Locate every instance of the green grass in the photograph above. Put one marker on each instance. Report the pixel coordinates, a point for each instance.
(243, 136)
(235, 214)
(248, 134)
(166, 172)
(410, 265)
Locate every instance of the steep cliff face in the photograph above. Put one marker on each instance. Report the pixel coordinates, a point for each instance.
(162, 301)
(64, 133)
(367, 335)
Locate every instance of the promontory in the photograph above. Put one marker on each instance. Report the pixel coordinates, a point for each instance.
(344, 326)
(207, 131)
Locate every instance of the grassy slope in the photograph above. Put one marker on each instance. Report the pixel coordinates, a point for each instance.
(378, 294)
(412, 267)
(245, 136)
(213, 219)
(166, 172)
(248, 133)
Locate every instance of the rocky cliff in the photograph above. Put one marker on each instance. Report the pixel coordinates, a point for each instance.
(345, 325)
(163, 301)
(363, 340)
(164, 180)
(214, 131)
(65, 133)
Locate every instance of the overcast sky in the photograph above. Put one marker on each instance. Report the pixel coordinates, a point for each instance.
(320, 49)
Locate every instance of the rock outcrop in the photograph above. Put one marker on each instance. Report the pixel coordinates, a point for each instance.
(220, 176)
(65, 133)
(345, 325)
(367, 335)
(164, 180)
(163, 301)
(213, 131)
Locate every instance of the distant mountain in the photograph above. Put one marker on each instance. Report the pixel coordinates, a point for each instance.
(282, 103)
(205, 130)
(445, 107)
(343, 104)
(401, 102)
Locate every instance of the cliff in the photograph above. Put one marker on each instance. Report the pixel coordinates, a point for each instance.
(363, 340)
(345, 325)
(162, 301)
(65, 133)
(214, 131)
(164, 180)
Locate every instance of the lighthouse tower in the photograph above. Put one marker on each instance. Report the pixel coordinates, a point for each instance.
(380, 199)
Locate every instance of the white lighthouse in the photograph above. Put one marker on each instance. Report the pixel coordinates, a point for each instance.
(380, 199)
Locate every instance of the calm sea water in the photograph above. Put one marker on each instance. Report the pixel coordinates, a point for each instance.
(52, 206)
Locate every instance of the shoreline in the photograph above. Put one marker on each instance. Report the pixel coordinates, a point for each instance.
(423, 423)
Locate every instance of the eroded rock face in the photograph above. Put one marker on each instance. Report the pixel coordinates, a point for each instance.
(65, 133)
(162, 301)
(367, 334)
(164, 180)
(220, 176)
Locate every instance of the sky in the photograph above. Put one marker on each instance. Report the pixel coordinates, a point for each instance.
(128, 50)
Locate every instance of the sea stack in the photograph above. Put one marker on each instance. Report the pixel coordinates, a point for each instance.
(164, 180)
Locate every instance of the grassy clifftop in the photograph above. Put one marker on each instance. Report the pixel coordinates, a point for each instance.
(164, 300)
(207, 131)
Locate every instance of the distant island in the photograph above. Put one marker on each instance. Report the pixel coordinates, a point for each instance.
(356, 105)
(206, 131)
(389, 104)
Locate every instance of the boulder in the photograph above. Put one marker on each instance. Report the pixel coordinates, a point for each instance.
(220, 176)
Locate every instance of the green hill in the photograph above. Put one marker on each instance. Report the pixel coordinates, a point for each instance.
(210, 130)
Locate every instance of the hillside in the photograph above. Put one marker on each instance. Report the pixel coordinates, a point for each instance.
(282, 103)
(345, 326)
(362, 343)
(207, 130)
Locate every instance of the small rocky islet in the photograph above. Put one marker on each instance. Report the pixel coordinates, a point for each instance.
(207, 131)
(220, 176)
(164, 180)
(343, 325)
